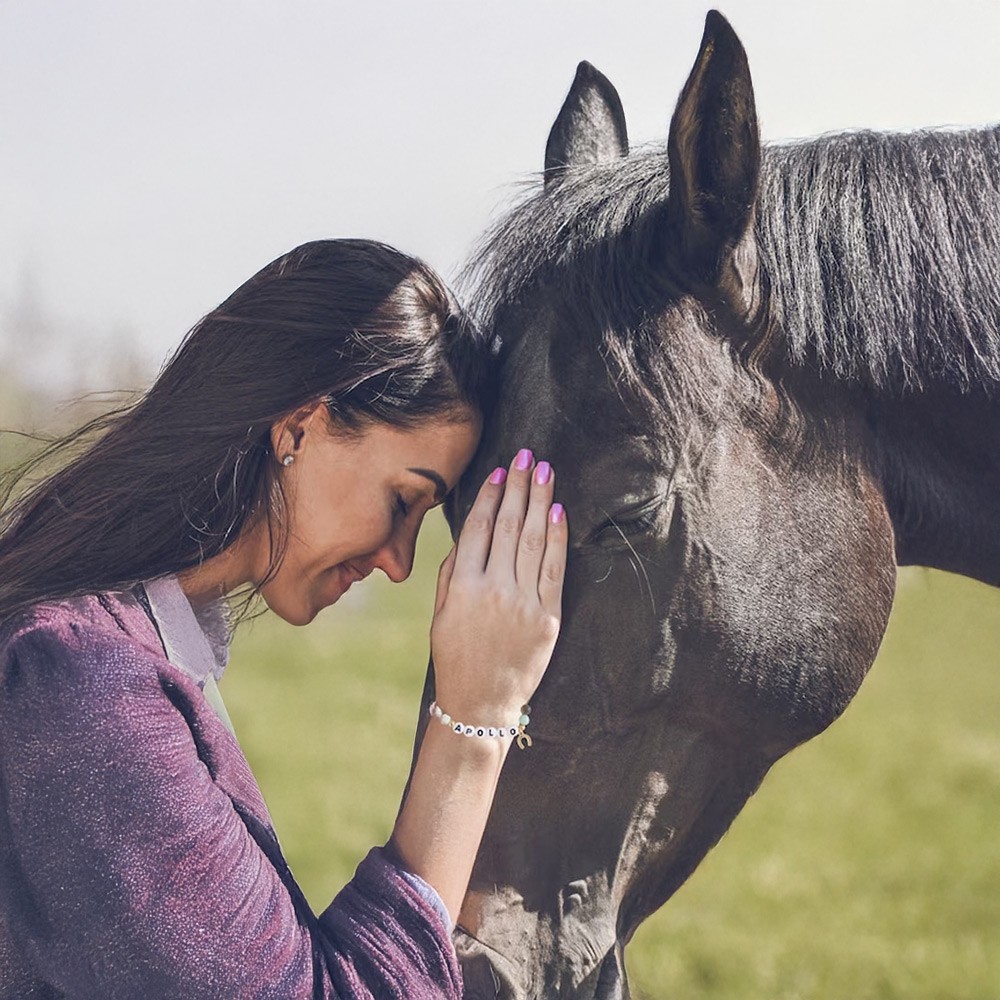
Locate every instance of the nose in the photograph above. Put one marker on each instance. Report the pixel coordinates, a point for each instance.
(395, 558)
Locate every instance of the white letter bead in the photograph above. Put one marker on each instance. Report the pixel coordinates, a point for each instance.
(464, 729)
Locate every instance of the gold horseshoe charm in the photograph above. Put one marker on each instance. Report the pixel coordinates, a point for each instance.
(523, 739)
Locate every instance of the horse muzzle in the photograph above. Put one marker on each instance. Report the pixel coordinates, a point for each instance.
(537, 975)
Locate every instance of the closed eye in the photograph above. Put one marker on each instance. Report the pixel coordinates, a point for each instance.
(628, 522)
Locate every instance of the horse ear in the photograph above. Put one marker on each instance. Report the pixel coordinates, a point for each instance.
(590, 127)
(714, 152)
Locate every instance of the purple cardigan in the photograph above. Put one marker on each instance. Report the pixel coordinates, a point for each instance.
(137, 857)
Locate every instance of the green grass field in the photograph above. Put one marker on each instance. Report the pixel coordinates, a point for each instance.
(866, 868)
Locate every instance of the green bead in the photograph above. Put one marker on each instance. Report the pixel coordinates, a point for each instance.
(523, 721)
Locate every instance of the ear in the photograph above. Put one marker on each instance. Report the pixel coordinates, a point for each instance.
(590, 127)
(289, 432)
(714, 153)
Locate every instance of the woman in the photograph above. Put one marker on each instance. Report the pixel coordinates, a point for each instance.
(292, 446)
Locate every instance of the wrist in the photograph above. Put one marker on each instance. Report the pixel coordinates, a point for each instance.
(499, 712)
(465, 752)
(498, 727)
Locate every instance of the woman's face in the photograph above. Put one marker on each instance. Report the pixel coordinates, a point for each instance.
(355, 503)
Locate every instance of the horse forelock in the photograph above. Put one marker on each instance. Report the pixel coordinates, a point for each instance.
(578, 253)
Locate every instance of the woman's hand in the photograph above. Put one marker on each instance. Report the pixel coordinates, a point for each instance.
(499, 596)
(496, 620)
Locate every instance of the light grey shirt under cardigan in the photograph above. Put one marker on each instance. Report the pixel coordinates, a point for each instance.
(137, 857)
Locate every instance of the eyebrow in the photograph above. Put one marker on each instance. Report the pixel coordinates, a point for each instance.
(441, 487)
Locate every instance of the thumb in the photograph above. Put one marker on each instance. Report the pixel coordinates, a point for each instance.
(444, 579)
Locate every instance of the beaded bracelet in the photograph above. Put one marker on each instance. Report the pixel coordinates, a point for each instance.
(486, 732)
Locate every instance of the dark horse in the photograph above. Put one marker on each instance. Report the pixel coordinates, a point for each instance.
(764, 377)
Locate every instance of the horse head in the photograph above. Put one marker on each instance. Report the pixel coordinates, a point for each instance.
(731, 572)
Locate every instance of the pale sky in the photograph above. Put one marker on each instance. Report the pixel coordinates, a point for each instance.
(154, 155)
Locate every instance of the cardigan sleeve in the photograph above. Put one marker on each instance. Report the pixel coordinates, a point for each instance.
(126, 871)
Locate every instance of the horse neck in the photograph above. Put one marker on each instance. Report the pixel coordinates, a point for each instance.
(881, 250)
(934, 455)
(937, 456)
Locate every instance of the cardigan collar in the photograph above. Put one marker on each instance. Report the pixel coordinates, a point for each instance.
(196, 641)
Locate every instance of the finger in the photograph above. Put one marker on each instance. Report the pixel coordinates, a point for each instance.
(531, 546)
(473, 546)
(510, 517)
(553, 571)
(444, 579)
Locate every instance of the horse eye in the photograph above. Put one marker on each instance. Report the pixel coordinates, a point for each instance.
(630, 521)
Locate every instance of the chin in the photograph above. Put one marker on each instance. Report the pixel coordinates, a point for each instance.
(301, 617)
(291, 611)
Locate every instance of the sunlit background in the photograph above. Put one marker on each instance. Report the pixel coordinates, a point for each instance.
(153, 156)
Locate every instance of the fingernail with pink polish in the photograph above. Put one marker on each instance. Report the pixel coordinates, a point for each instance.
(556, 513)
(498, 475)
(523, 460)
(542, 472)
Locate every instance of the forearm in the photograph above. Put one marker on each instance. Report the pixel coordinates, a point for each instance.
(496, 619)
(443, 818)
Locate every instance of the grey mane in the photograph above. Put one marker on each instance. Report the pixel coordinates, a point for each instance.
(881, 251)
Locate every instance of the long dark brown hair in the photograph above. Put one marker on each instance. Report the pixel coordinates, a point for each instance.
(174, 478)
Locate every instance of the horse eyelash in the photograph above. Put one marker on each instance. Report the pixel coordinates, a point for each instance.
(631, 522)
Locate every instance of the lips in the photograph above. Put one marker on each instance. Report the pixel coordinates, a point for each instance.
(349, 575)
(339, 579)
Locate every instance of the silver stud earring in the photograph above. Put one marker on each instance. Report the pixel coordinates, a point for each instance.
(287, 460)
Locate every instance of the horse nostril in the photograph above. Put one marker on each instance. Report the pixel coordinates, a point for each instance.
(575, 895)
(481, 981)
